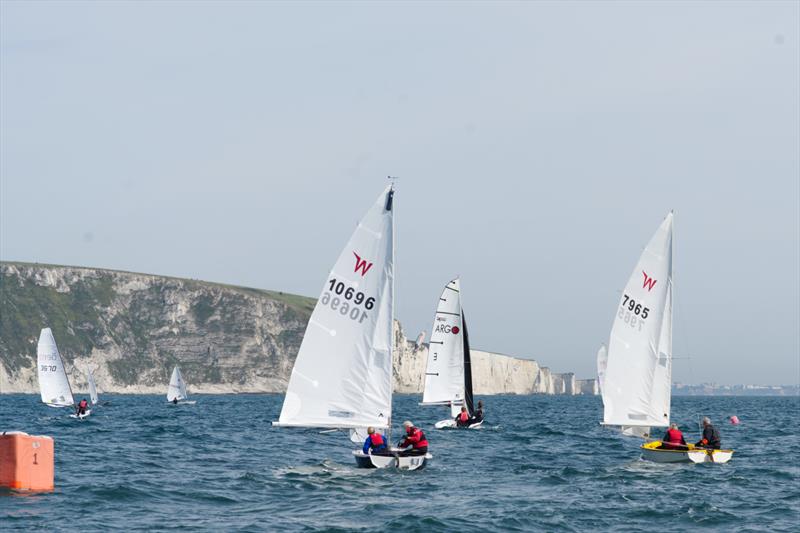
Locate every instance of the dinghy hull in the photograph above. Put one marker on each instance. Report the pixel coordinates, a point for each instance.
(81, 417)
(451, 424)
(407, 462)
(652, 452)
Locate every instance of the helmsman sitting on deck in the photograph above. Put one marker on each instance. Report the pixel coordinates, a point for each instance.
(415, 438)
(673, 439)
(463, 419)
(711, 438)
(375, 442)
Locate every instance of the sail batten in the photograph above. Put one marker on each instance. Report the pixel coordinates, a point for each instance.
(635, 382)
(343, 371)
(53, 382)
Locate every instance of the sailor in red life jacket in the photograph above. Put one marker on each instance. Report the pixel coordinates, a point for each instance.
(673, 439)
(375, 442)
(82, 405)
(415, 438)
(463, 419)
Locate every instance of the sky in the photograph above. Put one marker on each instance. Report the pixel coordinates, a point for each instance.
(538, 147)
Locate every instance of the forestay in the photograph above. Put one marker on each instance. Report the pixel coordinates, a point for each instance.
(92, 387)
(342, 376)
(444, 373)
(636, 386)
(53, 382)
(177, 387)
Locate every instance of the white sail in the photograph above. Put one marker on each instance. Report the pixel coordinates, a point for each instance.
(53, 382)
(92, 387)
(636, 387)
(177, 387)
(342, 376)
(602, 361)
(444, 373)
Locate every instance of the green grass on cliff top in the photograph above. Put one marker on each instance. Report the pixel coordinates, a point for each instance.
(302, 304)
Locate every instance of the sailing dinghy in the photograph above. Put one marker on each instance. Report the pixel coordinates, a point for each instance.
(342, 377)
(448, 374)
(53, 382)
(176, 393)
(636, 384)
(92, 387)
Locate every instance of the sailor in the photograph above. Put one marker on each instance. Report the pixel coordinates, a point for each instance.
(711, 438)
(375, 442)
(478, 416)
(415, 438)
(82, 406)
(175, 401)
(463, 419)
(673, 439)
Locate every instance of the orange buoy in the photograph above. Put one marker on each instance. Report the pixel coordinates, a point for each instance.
(734, 420)
(26, 461)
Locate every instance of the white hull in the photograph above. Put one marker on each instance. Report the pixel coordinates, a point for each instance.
(451, 424)
(650, 452)
(409, 462)
(81, 417)
(183, 402)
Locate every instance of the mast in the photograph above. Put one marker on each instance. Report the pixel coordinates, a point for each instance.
(390, 207)
(467, 368)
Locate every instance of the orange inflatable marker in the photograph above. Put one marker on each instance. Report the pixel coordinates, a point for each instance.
(26, 461)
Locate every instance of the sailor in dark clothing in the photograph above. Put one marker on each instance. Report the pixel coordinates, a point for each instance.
(478, 416)
(711, 438)
(175, 401)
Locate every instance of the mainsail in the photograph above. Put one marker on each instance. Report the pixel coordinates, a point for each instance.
(92, 387)
(602, 362)
(342, 377)
(448, 376)
(177, 387)
(53, 382)
(636, 386)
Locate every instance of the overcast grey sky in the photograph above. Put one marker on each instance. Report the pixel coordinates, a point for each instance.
(538, 145)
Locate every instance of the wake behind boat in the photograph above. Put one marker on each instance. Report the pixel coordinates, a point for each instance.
(635, 372)
(342, 377)
(448, 374)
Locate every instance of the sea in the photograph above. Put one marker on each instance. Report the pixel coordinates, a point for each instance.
(541, 463)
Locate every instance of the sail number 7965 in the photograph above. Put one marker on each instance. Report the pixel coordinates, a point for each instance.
(347, 301)
(632, 313)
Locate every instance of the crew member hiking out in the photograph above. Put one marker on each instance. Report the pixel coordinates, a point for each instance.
(375, 443)
(414, 438)
(478, 416)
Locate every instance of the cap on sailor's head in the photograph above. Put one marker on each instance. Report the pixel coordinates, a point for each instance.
(408, 424)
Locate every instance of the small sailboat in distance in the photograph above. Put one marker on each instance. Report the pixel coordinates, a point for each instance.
(636, 385)
(176, 393)
(92, 387)
(602, 362)
(54, 385)
(342, 377)
(448, 374)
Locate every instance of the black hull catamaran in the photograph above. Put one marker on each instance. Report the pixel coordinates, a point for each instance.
(342, 377)
(448, 374)
(636, 371)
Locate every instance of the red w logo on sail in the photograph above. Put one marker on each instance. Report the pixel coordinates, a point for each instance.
(362, 265)
(649, 282)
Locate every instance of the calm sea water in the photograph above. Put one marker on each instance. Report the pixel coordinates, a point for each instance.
(544, 464)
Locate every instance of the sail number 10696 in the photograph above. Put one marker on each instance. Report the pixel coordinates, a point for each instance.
(347, 301)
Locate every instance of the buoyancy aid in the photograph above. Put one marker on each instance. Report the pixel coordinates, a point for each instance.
(674, 436)
(82, 404)
(464, 416)
(420, 441)
(376, 439)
